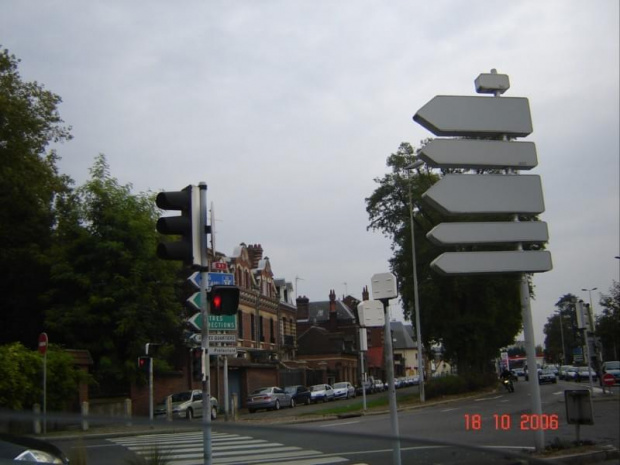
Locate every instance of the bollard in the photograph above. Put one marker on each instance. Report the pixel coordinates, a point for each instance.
(84, 416)
(233, 407)
(128, 411)
(169, 408)
(36, 424)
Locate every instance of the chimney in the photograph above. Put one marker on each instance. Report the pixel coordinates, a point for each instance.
(255, 251)
(302, 307)
(333, 315)
(365, 295)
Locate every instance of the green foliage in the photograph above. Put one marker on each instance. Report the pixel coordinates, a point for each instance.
(554, 334)
(109, 293)
(29, 185)
(474, 316)
(452, 385)
(608, 323)
(21, 377)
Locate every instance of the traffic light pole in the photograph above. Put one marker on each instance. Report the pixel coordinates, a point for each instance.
(206, 364)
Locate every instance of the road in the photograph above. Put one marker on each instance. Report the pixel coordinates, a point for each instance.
(498, 422)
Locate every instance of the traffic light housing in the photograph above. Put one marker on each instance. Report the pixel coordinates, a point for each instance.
(144, 363)
(223, 300)
(197, 364)
(187, 225)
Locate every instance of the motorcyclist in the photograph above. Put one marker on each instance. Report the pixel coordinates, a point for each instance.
(505, 374)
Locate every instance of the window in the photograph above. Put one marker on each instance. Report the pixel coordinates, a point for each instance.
(240, 324)
(260, 329)
(253, 326)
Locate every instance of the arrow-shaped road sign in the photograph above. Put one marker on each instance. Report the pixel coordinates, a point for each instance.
(226, 279)
(216, 322)
(479, 154)
(455, 115)
(489, 232)
(486, 194)
(464, 263)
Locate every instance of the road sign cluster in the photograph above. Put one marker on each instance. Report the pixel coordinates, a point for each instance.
(484, 194)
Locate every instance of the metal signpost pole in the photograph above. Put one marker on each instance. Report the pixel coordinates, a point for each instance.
(418, 329)
(206, 364)
(389, 362)
(492, 118)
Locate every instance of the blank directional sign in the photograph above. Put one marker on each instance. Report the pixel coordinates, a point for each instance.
(459, 194)
(479, 154)
(371, 313)
(495, 232)
(464, 263)
(455, 115)
(383, 286)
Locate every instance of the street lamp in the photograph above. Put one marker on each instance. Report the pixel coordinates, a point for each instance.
(412, 166)
(562, 336)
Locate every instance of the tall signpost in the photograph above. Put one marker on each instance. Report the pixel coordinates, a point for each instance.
(384, 288)
(500, 120)
(371, 315)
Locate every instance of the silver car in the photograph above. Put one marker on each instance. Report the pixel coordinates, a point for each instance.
(269, 398)
(343, 390)
(321, 392)
(185, 404)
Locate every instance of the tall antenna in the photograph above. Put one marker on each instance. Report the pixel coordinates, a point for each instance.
(297, 278)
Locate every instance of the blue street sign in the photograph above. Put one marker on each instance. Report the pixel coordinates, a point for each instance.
(223, 279)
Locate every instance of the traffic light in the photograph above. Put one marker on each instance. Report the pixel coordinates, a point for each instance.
(144, 363)
(197, 364)
(223, 300)
(187, 225)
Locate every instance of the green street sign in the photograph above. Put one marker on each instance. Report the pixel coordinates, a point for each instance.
(216, 322)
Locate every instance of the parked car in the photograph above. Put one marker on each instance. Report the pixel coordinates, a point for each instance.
(519, 372)
(22, 449)
(583, 375)
(343, 390)
(185, 404)
(571, 374)
(269, 398)
(378, 385)
(299, 393)
(369, 388)
(562, 371)
(613, 368)
(321, 392)
(547, 375)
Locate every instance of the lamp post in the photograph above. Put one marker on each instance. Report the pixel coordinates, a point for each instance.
(414, 165)
(562, 336)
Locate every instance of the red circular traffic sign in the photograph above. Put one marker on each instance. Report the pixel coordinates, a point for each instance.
(608, 379)
(43, 343)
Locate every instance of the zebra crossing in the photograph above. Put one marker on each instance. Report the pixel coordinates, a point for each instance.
(227, 448)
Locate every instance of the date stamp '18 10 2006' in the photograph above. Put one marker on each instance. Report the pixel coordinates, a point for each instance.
(504, 422)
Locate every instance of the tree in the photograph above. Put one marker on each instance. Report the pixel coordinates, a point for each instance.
(554, 350)
(473, 317)
(29, 185)
(109, 292)
(608, 323)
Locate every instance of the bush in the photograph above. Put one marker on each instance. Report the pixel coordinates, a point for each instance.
(452, 384)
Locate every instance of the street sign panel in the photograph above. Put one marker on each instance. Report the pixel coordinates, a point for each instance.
(43, 342)
(462, 263)
(479, 154)
(489, 233)
(222, 350)
(225, 279)
(371, 313)
(216, 322)
(486, 194)
(454, 115)
(223, 338)
(383, 286)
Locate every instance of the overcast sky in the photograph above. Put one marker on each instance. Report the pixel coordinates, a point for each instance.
(288, 110)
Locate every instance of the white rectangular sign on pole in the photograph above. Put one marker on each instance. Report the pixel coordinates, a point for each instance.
(457, 115)
(460, 194)
(496, 232)
(479, 154)
(222, 350)
(510, 261)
